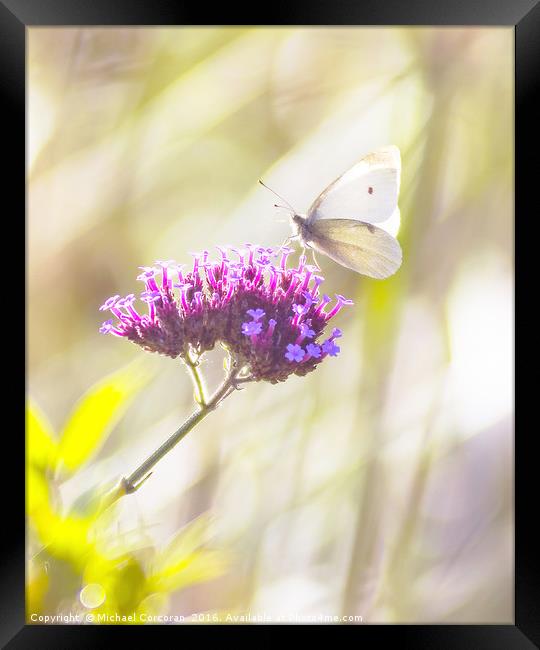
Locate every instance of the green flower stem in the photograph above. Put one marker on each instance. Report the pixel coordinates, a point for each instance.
(197, 379)
(134, 481)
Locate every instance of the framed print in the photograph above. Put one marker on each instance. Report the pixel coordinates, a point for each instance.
(270, 279)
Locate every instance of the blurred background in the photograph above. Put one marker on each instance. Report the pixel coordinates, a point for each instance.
(379, 486)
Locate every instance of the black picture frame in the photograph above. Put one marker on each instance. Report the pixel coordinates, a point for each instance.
(524, 15)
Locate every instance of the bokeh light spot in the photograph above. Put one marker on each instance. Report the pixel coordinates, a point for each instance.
(92, 596)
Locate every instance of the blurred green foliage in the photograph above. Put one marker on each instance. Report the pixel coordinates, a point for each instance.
(77, 549)
(380, 485)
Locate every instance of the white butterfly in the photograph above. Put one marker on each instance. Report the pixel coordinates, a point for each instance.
(340, 222)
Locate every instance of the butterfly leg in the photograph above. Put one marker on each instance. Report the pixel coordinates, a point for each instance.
(289, 240)
(304, 246)
(315, 259)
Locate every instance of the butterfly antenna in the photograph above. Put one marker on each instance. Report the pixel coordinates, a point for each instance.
(282, 207)
(289, 206)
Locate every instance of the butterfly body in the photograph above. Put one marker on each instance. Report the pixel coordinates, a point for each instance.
(341, 221)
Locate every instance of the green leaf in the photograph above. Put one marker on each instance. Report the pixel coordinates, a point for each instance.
(200, 566)
(37, 492)
(185, 561)
(188, 539)
(97, 413)
(42, 448)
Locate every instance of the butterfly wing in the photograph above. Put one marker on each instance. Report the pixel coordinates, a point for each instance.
(358, 246)
(368, 192)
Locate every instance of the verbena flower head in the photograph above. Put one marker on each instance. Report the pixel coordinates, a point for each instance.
(271, 317)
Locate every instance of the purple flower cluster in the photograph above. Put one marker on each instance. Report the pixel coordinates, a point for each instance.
(271, 317)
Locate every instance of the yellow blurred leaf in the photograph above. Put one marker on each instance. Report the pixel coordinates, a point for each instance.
(186, 541)
(97, 413)
(153, 605)
(122, 579)
(184, 561)
(36, 587)
(42, 448)
(130, 587)
(200, 566)
(37, 491)
(66, 538)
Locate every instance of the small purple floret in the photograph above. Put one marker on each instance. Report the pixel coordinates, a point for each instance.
(306, 331)
(252, 328)
(294, 353)
(106, 327)
(110, 302)
(256, 314)
(313, 350)
(150, 296)
(330, 348)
